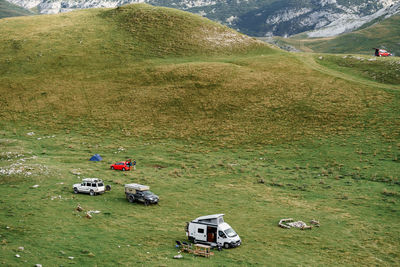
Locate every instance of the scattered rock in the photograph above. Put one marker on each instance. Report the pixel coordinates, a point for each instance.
(70, 257)
(38, 265)
(55, 197)
(288, 223)
(30, 133)
(315, 223)
(93, 211)
(17, 255)
(35, 186)
(88, 216)
(298, 224)
(261, 181)
(320, 57)
(21, 248)
(79, 208)
(178, 256)
(158, 166)
(75, 172)
(282, 225)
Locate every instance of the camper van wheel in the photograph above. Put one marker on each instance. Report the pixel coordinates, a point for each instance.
(226, 245)
(131, 199)
(76, 190)
(91, 193)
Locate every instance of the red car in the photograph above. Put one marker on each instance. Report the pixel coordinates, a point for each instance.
(123, 166)
(382, 53)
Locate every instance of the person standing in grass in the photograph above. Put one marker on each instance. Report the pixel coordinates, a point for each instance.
(129, 163)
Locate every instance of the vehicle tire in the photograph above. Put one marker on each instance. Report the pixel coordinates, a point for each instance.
(123, 169)
(131, 199)
(226, 245)
(112, 168)
(76, 190)
(108, 187)
(146, 202)
(92, 193)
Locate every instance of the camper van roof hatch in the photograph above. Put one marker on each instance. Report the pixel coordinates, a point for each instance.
(211, 219)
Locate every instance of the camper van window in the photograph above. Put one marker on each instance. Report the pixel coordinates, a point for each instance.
(230, 232)
(221, 234)
(201, 231)
(221, 220)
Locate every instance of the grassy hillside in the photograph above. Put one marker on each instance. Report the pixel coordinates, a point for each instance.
(72, 64)
(385, 34)
(10, 10)
(218, 123)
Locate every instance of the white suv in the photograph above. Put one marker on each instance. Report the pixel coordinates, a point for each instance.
(93, 186)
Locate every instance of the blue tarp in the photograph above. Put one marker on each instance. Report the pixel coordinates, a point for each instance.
(96, 157)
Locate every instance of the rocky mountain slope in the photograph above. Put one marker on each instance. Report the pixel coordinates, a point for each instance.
(383, 34)
(10, 10)
(256, 17)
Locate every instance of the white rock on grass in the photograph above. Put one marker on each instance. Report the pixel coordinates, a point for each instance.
(38, 265)
(70, 257)
(21, 248)
(17, 255)
(179, 256)
(93, 211)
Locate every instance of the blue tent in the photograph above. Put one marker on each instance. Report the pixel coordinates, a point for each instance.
(96, 157)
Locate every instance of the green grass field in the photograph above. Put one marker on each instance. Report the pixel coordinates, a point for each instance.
(217, 122)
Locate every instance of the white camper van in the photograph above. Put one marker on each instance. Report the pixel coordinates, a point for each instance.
(212, 230)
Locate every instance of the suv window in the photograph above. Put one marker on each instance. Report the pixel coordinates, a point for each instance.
(100, 184)
(93, 185)
(88, 184)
